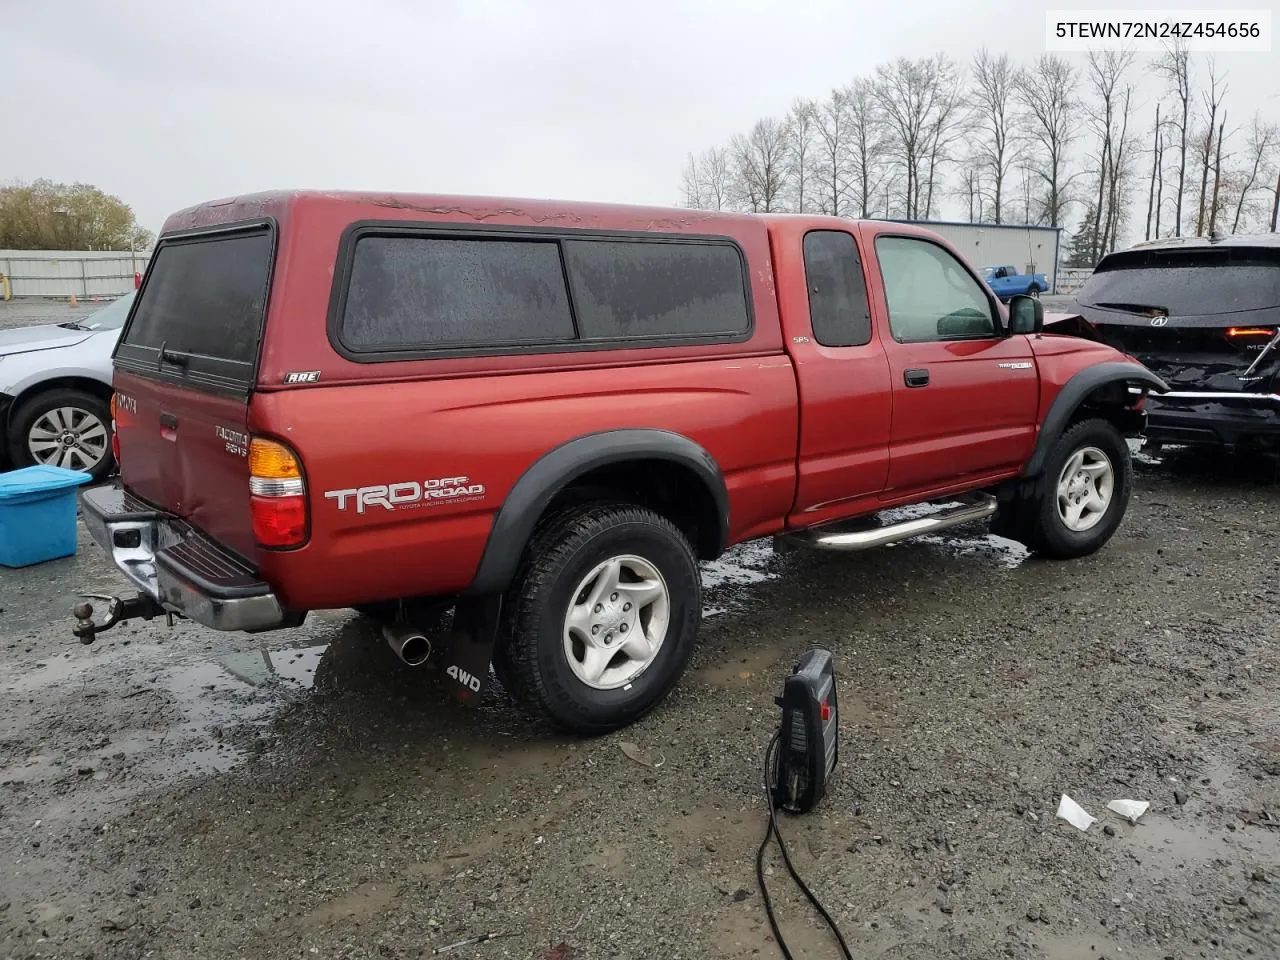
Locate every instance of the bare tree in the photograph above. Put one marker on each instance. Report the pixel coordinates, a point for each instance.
(1155, 172)
(691, 183)
(760, 166)
(705, 180)
(946, 128)
(1048, 93)
(1160, 148)
(970, 192)
(1175, 67)
(801, 127)
(1118, 188)
(1214, 209)
(832, 147)
(1110, 121)
(868, 146)
(919, 101)
(716, 177)
(1212, 104)
(1263, 143)
(991, 114)
(1275, 207)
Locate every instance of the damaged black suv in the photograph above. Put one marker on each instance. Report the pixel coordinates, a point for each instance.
(1204, 316)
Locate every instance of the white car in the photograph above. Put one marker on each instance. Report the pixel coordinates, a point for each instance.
(55, 391)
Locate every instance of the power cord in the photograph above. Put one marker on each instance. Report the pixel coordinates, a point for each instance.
(770, 756)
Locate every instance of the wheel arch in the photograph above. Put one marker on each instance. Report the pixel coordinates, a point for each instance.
(658, 468)
(31, 391)
(1099, 390)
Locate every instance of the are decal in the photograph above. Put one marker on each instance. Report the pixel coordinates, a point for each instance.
(407, 494)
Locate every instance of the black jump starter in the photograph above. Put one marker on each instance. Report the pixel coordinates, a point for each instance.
(798, 765)
(808, 741)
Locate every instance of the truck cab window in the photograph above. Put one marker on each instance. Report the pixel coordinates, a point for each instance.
(930, 295)
(838, 308)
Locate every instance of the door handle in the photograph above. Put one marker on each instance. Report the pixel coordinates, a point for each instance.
(916, 378)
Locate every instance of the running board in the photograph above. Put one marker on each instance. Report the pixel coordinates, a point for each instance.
(978, 508)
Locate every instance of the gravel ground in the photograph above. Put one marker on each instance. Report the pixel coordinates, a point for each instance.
(177, 793)
(27, 312)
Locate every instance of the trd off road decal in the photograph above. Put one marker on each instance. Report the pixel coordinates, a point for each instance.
(408, 494)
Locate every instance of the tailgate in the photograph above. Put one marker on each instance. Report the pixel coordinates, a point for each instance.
(185, 368)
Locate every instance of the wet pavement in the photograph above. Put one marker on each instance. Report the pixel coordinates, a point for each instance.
(30, 311)
(176, 792)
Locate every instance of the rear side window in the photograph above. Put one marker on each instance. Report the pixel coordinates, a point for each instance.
(644, 290)
(838, 308)
(417, 293)
(441, 292)
(203, 302)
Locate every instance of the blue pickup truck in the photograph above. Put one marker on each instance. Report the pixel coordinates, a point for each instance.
(1007, 282)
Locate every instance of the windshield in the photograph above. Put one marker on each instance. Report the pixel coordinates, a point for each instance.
(111, 317)
(987, 272)
(1186, 287)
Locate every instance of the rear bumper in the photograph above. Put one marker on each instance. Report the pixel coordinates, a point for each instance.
(179, 568)
(1216, 419)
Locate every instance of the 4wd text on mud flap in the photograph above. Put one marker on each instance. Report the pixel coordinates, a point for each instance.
(408, 493)
(464, 678)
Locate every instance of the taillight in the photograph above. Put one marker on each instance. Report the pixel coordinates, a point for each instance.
(277, 494)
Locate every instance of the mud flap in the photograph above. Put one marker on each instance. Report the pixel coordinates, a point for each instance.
(469, 645)
(1017, 499)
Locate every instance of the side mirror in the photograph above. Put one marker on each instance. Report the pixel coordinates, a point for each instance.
(1026, 314)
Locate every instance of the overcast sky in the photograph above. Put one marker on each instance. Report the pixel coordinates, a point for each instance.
(168, 103)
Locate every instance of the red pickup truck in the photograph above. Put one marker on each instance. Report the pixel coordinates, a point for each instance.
(510, 429)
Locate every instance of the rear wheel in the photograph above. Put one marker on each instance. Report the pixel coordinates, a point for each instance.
(1087, 482)
(63, 428)
(602, 618)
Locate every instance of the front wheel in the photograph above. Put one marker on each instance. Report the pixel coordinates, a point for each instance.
(1087, 482)
(602, 618)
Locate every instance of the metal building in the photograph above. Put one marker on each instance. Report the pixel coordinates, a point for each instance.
(1031, 249)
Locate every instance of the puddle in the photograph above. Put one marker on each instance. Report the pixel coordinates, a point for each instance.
(743, 564)
(1182, 844)
(1006, 553)
(293, 666)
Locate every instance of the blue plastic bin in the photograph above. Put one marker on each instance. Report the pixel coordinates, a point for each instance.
(38, 514)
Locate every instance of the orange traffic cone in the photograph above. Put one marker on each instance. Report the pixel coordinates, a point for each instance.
(72, 301)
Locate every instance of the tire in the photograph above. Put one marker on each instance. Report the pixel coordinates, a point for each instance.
(82, 417)
(1104, 461)
(1034, 292)
(547, 663)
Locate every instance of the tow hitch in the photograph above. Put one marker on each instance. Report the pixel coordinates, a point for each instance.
(119, 609)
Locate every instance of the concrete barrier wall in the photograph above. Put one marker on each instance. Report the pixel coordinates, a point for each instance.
(71, 273)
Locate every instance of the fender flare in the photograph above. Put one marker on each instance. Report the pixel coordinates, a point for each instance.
(556, 469)
(1072, 395)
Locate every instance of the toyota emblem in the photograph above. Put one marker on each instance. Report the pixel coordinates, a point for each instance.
(1159, 321)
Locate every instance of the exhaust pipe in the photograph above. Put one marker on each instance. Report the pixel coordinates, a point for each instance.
(409, 644)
